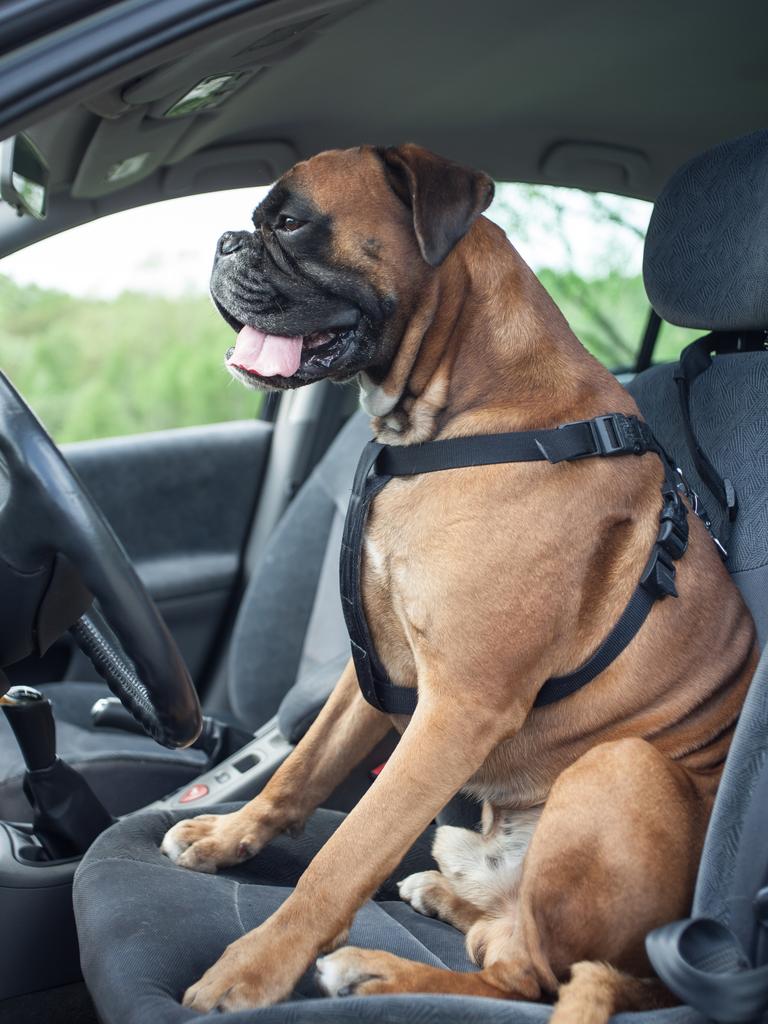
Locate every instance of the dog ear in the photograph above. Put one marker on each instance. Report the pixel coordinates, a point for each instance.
(445, 197)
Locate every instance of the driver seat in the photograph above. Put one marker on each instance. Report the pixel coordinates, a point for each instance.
(288, 648)
(148, 929)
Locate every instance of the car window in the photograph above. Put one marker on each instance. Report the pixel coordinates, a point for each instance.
(587, 249)
(108, 328)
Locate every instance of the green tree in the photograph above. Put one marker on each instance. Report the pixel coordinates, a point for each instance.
(96, 368)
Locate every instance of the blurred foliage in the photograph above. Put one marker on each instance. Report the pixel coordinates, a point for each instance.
(608, 315)
(98, 368)
(607, 310)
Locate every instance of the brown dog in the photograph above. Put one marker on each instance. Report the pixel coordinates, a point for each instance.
(479, 584)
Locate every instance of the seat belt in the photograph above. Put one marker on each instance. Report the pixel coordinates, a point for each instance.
(703, 963)
(722, 971)
(695, 359)
(604, 436)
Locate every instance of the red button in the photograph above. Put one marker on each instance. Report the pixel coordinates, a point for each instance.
(194, 793)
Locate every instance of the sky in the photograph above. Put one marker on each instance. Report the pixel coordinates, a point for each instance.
(168, 248)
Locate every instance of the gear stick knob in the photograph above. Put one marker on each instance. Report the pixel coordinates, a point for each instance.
(30, 716)
(67, 814)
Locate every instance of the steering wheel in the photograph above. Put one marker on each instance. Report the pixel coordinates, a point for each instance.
(48, 520)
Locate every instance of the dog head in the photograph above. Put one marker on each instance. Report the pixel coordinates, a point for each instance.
(339, 255)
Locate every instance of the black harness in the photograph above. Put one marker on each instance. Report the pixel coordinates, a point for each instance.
(614, 434)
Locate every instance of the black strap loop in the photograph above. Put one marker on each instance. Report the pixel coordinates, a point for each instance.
(614, 434)
(695, 360)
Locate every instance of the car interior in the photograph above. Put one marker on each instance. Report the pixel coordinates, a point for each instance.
(232, 531)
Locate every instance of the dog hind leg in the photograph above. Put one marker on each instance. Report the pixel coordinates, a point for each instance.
(431, 894)
(596, 991)
(613, 856)
(368, 972)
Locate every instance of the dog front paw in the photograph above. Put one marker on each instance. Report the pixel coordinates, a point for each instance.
(212, 841)
(232, 984)
(256, 970)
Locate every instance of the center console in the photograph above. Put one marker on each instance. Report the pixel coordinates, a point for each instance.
(38, 860)
(39, 941)
(238, 777)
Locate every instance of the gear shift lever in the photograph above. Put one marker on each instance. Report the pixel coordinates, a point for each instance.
(30, 716)
(67, 813)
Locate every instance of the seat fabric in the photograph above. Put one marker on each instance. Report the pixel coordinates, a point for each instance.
(149, 929)
(729, 412)
(733, 861)
(290, 629)
(126, 770)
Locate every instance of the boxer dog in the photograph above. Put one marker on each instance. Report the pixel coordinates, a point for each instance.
(478, 584)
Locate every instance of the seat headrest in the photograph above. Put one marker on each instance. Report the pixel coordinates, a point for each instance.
(706, 251)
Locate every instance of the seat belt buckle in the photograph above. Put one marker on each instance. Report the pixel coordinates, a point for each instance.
(698, 509)
(110, 713)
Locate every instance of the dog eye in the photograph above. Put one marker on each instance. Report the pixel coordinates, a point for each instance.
(286, 223)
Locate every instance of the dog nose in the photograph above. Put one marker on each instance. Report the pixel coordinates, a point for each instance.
(230, 242)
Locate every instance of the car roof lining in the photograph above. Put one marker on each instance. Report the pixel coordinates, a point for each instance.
(543, 91)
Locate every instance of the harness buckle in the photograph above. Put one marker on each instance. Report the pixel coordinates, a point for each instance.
(616, 434)
(612, 434)
(673, 528)
(659, 574)
(672, 539)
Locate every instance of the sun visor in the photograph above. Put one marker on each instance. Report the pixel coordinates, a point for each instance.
(706, 251)
(281, 32)
(172, 112)
(124, 150)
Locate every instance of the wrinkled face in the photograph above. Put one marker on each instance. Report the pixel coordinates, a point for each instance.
(323, 285)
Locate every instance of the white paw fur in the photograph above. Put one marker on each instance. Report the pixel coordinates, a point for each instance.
(171, 847)
(413, 890)
(336, 975)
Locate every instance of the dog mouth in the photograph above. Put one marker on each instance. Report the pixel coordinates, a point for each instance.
(260, 355)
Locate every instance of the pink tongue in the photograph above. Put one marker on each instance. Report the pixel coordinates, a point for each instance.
(269, 355)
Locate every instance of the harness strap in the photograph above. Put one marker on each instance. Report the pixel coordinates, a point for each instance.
(614, 434)
(657, 580)
(376, 686)
(695, 360)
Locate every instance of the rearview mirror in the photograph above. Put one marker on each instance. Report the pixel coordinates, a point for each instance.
(24, 176)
